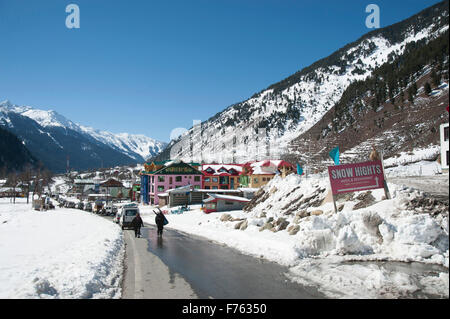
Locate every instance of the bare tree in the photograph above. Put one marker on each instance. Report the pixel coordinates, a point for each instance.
(13, 180)
(25, 179)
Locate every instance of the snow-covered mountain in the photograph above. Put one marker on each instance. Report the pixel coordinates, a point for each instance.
(263, 125)
(44, 132)
(130, 144)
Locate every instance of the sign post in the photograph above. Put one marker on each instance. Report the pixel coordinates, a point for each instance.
(386, 189)
(356, 177)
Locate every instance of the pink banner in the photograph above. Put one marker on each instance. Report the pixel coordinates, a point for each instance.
(356, 177)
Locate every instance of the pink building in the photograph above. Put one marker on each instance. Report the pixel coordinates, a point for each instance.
(174, 174)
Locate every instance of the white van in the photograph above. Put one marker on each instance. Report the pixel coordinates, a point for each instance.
(127, 213)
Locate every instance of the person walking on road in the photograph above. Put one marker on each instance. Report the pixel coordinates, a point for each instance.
(137, 223)
(159, 220)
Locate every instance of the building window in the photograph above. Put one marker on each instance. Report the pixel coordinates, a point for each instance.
(170, 180)
(228, 203)
(196, 186)
(255, 180)
(207, 187)
(446, 133)
(196, 178)
(214, 187)
(207, 179)
(215, 180)
(178, 179)
(160, 188)
(447, 158)
(161, 178)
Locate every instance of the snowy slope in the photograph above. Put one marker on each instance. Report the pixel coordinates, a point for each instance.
(65, 254)
(129, 144)
(292, 106)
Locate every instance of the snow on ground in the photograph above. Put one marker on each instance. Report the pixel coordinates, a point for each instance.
(421, 168)
(63, 253)
(343, 253)
(427, 153)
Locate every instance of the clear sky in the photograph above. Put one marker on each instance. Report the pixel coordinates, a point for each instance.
(147, 67)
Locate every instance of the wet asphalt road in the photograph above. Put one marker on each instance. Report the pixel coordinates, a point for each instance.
(437, 186)
(185, 266)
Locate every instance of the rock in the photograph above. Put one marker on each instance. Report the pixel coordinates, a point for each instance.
(270, 220)
(341, 207)
(294, 230)
(273, 190)
(238, 224)
(279, 221)
(316, 212)
(244, 225)
(283, 225)
(267, 225)
(366, 200)
(225, 217)
(296, 219)
(237, 219)
(302, 213)
(262, 215)
(362, 196)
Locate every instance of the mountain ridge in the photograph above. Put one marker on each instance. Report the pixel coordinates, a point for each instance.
(290, 107)
(50, 130)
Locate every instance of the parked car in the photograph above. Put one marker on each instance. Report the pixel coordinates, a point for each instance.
(108, 209)
(127, 214)
(88, 207)
(69, 204)
(98, 206)
(80, 205)
(116, 218)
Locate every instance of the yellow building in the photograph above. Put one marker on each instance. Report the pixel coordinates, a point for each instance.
(258, 173)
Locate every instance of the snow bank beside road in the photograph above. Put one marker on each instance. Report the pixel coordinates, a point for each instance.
(64, 253)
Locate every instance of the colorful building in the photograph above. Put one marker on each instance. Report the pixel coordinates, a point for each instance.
(258, 173)
(444, 132)
(114, 188)
(167, 175)
(135, 192)
(221, 176)
(220, 203)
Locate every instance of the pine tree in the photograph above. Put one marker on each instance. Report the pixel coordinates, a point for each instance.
(427, 88)
(435, 78)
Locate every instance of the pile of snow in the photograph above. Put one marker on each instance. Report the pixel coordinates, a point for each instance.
(64, 253)
(313, 237)
(429, 153)
(422, 168)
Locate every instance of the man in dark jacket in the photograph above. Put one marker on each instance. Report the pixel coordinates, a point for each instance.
(159, 220)
(137, 223)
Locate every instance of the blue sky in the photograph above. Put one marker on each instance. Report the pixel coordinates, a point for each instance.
(147, 67)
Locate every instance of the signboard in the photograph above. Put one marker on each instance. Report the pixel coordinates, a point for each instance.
(356, 177)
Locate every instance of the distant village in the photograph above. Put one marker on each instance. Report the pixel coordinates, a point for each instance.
(217, 187)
